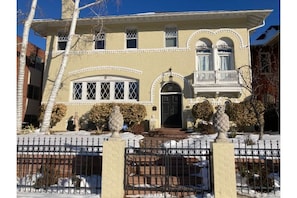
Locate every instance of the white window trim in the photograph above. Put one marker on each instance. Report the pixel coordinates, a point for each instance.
(95, 39)
(168, 27)
(218, 54)
(58, 40)
(211, 57)
(137, 38)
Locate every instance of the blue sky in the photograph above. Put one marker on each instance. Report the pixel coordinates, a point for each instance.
(52, 9)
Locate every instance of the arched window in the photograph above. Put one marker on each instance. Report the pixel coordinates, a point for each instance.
(204, 55)
(170, 87)
(225, 54)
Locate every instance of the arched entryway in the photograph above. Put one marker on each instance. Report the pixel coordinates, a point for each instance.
(171, 107)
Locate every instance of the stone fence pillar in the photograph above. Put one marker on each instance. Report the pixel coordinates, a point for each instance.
(223, 170)
(113, 168)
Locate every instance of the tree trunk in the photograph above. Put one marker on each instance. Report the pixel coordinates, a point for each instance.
(22, 65)
(51, 101)
(52, 98)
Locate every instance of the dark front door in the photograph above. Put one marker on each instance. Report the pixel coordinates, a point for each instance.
(171, 110)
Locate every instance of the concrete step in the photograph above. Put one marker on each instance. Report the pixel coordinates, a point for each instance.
(162, 180)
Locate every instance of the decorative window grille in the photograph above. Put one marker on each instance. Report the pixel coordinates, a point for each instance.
(62, 41)
(265, 62)
(131, 38)
(171, 37)
(91, 90)
(77, 91)
(119, 90)
(99, 40)
(133, 90)
(103, 88)
(105, 91)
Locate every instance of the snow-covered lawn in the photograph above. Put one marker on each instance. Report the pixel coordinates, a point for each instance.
(193, 141)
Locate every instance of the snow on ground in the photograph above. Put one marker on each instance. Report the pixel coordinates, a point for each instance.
(193, 141)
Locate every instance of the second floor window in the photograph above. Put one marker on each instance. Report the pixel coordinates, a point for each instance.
(99, 40)
(225, 54)
(264, 62)
(171, 37)
(131, 38)
(33, 92)
(204, 55)
(62, 41)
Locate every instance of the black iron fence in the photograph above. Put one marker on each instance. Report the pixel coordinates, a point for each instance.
(168, 171)
(59, 165)
(174, 168)
(258, 166)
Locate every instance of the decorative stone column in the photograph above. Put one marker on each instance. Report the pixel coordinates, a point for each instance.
(221, 124)
(223, 163)
(113, 162)
(115, 122)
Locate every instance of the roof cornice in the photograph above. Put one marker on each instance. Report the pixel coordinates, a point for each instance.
(254, 18)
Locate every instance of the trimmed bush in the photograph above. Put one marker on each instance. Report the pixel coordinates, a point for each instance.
(132, 114)
(244, 114)
(203, 111)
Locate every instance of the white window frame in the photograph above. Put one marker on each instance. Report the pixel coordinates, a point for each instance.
(100, 79)
(135, 37)
(224, 50)
(100, 36)
(62, 37)
(203, 48)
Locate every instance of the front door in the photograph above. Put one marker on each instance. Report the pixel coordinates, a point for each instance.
(171, 110)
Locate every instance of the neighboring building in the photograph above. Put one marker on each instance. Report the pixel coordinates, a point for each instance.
(166, 61)
(33, 79)
(265, 55)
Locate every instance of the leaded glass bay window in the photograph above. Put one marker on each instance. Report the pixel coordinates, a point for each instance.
(77, 91)
(133, 90)
(119, 90)
(105, 91)
(91, 90)
(105, 88)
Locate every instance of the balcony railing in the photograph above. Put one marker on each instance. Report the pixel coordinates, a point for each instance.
(216, 77)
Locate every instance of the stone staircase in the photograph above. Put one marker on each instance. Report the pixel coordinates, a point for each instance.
(156, 174)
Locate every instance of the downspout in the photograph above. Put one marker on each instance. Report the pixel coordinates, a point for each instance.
(249, 46)
(249, 30)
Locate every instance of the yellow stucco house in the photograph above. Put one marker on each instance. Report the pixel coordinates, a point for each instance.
(165, 61)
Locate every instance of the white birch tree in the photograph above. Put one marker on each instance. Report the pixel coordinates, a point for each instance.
(45, 127)
(22, 65)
